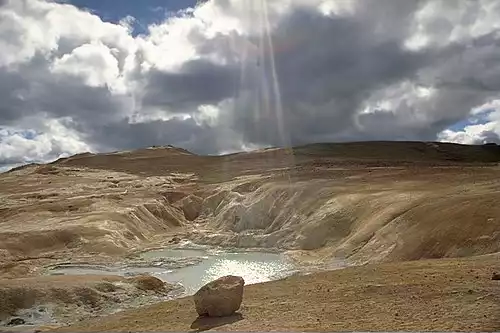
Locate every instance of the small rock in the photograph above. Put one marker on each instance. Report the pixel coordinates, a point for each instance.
(221, 297)
(495, 276)
(148, 283)
(175, 240)
(16, 322)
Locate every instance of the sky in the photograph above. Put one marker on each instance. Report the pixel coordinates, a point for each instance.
(144, 13)
(223, 76)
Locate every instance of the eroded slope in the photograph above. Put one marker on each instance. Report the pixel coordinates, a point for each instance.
(368, 206)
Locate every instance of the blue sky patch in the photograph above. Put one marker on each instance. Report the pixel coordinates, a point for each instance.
(146, 12)
(478, 119)
(459, 126)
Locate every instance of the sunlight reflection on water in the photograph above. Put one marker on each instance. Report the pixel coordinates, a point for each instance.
(194, 267)
(254, 267)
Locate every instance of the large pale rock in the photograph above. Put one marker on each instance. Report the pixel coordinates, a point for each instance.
(221, 297)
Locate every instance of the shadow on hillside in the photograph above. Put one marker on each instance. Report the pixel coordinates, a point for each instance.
(206, 323)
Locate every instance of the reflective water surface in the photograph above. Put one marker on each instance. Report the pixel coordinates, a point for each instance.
(254, 267)
(174, 266)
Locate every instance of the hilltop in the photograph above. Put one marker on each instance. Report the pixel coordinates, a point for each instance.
(161, 160)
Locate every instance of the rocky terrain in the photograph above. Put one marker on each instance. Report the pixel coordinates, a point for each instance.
(374, 203)
(49, 301)
(424, 295)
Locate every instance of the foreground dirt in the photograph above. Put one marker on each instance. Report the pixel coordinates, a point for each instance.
(427, 295)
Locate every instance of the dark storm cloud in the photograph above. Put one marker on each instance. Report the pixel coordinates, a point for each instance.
(329, 66)
(197, 83)
(124, 135)
(184, 133)
(489, 137)
(325, 66)
(12, 105)
(82, 102)
(464, 75)
(32, 89)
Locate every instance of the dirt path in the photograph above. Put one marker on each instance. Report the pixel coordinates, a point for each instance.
(434, 295)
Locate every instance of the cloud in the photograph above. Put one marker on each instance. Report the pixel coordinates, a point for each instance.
(233, 74)
(473, 134)
(198, 82)
(322, 75)
(52, 140)
(483, 126)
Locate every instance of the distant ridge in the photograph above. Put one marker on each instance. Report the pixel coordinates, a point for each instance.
(166, 159)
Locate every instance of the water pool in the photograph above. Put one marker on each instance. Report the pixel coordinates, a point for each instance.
(254, 267)
(192, 268)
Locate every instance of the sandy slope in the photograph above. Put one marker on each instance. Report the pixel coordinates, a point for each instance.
(364, 209)
(48, 210)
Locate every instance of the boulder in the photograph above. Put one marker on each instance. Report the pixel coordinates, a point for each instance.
(221, 297)
(495, 276)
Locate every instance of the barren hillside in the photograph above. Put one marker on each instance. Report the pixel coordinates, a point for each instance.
(362, 201)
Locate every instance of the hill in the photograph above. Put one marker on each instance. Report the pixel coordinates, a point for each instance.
(366, 201)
